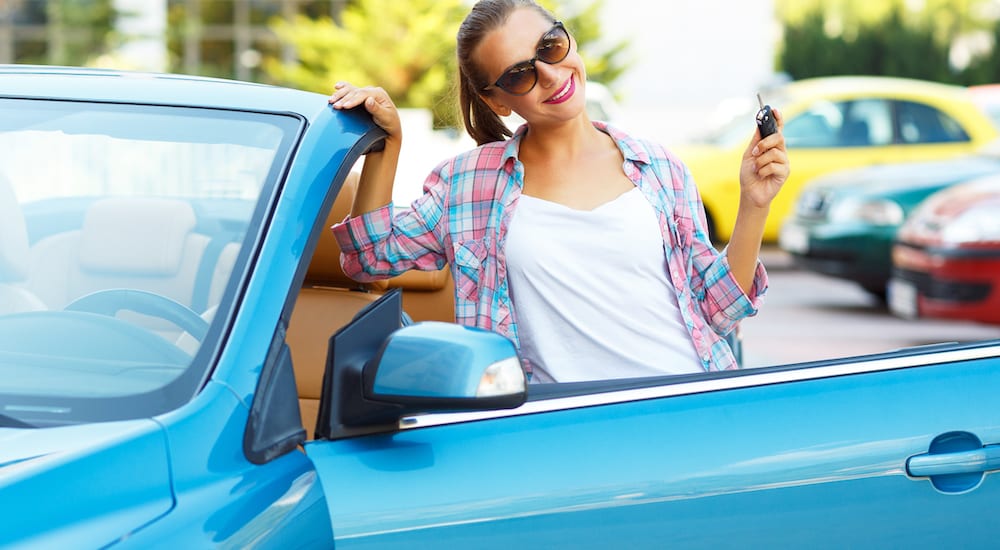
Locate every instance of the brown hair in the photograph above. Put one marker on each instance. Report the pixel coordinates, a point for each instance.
(481, 122)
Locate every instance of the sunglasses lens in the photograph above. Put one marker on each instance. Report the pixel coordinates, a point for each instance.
(554, 46)
(518, 80)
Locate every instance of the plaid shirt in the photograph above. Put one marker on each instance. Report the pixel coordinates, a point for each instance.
(462, 219)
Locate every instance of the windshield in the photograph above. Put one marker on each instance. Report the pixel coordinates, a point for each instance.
(121, 230)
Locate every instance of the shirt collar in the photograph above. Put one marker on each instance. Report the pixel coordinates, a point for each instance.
(631, 149)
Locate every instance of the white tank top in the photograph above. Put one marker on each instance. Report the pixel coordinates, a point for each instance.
(592, 293)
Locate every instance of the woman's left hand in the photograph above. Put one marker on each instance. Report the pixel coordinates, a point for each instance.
(764, 168)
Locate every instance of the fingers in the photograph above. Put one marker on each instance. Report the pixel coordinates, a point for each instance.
(375, 100)
(347, 96)
(772, 162)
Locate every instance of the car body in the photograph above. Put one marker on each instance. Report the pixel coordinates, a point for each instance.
(844, 223)
(291, 408)
(987, 96)
(836, 123)
(946, 259)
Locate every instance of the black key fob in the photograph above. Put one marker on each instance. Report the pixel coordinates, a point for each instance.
(765, 121)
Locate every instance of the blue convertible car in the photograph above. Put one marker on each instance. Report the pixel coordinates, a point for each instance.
(184, 365)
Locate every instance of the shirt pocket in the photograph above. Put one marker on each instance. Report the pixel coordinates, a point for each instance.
(470, 261)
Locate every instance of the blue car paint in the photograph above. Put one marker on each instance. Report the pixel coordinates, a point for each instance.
(119, 470)
(818, 463)
(209, 493)
(755, 459)
(436, 378)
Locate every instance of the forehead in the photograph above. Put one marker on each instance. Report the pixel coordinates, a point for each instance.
(512, 42)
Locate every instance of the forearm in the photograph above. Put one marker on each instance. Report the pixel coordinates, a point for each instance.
(377, 176)
(743, 250)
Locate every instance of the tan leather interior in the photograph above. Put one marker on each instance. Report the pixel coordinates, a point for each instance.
(329, 299)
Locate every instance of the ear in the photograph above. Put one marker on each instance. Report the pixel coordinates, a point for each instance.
(495, 105)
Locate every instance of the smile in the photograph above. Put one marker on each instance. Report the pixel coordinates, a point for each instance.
(565, 93)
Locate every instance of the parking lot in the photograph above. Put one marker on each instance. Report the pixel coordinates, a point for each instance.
(807, 317)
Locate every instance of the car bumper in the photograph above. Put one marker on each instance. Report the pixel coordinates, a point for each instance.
(945, 283)
(859, 253)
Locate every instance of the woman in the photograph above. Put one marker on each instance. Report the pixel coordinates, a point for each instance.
(585, 246)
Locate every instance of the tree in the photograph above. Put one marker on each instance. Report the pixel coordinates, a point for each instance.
(79, 31)
(830, 37)
(408, 48)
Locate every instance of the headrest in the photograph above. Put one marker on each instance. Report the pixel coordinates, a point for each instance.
(324, 268)
(14, 261)
(138, 236)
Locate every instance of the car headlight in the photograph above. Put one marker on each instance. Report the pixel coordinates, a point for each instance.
(873, 211)
(977, 224)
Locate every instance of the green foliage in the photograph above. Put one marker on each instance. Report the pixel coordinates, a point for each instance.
(408, 48)
(827, 37)
(85, 29)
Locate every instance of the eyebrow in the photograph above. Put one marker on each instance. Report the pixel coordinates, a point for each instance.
(537, 44)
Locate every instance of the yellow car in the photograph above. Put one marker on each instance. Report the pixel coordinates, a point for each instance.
(832, 123)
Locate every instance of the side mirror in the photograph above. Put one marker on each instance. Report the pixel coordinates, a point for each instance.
(378, 372)
(445, 366)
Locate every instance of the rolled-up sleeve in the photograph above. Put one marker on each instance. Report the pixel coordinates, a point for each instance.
(719, 296)
(387, 241)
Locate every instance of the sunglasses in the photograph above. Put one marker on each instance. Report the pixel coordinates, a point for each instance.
(521, 77)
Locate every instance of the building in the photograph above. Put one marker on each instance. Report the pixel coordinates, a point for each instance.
(225, 38)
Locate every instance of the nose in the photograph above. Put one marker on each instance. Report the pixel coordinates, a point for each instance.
(548, 75)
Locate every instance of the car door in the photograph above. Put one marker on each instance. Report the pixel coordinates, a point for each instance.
(880, 451)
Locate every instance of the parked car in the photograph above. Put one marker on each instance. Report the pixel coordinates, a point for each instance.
(946, 260)
(844, 223)
(290, 407)
(836, 123)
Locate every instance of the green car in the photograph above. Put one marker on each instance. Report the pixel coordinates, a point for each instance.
(844, 223)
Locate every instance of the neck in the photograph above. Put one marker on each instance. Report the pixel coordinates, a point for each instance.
(569, 139)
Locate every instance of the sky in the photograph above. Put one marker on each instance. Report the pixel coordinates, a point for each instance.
(690, 57)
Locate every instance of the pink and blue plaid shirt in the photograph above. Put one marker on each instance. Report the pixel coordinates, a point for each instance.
(462, 219)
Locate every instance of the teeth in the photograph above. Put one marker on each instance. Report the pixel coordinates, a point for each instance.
(564, 91)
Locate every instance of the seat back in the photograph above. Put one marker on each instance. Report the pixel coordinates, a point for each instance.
(14, 255)
(329, 299)
(136, 243)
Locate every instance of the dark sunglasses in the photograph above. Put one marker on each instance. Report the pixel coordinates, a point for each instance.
(521, 77)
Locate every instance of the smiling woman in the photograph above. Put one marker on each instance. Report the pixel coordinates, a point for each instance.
(180, 183)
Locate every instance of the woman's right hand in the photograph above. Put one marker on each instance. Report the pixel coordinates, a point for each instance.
(376, 101)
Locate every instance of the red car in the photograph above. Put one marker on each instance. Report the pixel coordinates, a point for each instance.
(946, 258)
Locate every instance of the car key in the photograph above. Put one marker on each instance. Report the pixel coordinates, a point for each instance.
(765, 121)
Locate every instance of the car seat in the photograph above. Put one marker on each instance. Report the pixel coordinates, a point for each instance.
(134, 243)
(329, 299)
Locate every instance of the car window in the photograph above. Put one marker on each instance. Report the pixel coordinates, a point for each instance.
(133, 220)
(919, 123)
(817, 126)
(858, 123)
(868, 122)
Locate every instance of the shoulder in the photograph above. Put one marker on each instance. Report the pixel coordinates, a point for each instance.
(488, 157)
(639, 148)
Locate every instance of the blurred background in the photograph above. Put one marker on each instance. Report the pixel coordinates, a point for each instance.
(669, 64)
(684, 74)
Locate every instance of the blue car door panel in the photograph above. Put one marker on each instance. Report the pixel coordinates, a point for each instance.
(840, 455)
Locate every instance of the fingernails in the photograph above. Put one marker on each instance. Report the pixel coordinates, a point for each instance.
(756, 151)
